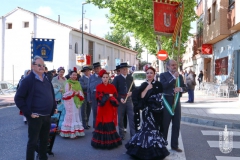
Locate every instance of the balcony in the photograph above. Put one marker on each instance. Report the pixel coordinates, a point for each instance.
(215, 27)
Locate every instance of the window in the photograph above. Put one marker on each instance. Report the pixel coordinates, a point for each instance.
(209, 16)
(221, 66)
(231, 2)
(25, 24)
(90, 49)
(9, 25)
(76, 48)
(214, 11)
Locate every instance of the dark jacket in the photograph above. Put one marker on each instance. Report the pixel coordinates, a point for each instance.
(200, 77)
(122, 85)
(168, 83)
(24, 95)
(139, 103)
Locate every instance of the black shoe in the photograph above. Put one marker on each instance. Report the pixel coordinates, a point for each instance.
(177, 149)
(86, 127)
(187, 102)
(122, 138)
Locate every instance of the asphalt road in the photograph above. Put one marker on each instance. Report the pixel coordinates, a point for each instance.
(13, 139)
(196, 146)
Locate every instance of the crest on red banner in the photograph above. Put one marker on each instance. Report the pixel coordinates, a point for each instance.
(165, 16)
(207, 49)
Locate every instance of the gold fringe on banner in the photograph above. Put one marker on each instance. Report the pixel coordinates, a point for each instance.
(179, 22)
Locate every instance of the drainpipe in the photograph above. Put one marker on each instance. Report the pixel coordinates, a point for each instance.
(3, 47)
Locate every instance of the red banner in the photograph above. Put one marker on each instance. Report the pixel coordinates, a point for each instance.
(88, 60)
(207, 49)
(165, 17)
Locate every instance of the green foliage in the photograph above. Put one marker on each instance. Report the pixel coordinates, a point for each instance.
(136, 16)
(119, 37)
(138, 48)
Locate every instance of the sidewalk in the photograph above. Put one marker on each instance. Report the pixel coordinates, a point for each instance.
(7, 100)
(211, 111)
(206, 110)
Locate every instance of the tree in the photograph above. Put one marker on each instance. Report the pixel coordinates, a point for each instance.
(119, 37)
(136, 16)
(138, 48)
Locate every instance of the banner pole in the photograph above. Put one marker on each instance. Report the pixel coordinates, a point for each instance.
(179, 50)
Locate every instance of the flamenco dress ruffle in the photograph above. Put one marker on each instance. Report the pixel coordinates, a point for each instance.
(105, 136)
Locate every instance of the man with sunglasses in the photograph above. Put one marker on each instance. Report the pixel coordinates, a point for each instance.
(35, 98)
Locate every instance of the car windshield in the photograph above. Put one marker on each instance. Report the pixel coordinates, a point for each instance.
(139, 76)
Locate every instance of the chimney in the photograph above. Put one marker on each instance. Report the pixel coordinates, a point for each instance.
(90, 25)
(58, 18)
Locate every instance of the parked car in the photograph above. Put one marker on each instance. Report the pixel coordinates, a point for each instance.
(6, 87)
(139, 77)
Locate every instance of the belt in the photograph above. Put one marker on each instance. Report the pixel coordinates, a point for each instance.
(123, 95)
(168, 95)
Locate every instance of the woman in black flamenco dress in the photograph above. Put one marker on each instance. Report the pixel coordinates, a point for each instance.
(148, 143)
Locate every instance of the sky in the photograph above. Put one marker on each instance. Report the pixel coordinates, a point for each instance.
(70, 12)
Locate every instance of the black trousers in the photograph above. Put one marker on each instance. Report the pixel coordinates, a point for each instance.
(85, 112)
(125, 120)
(166, 120)
(38, 128)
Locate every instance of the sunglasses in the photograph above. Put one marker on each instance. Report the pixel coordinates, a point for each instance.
(40, 65)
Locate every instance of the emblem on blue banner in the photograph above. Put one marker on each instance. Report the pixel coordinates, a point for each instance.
(43, 48)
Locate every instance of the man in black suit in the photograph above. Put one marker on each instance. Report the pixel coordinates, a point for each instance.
(123, 82)
(168, 80)
(86, 106)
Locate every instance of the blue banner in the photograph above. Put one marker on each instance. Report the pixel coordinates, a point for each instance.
(43, 48)
(117, 61)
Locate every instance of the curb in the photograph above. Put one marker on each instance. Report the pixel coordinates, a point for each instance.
(211, 122)
(6, 104)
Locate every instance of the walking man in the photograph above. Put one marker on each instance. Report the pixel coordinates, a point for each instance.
(94, 80)
(86, 107)
(35, 98)
(122, 83)
(168, 80)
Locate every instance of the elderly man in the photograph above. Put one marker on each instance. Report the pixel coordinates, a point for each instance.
(86, 107)
(35, 98)
(168, 80)
(94, 80)
(122, 83)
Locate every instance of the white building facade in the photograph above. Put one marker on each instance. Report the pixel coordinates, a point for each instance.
(19, 26)
(187, 56)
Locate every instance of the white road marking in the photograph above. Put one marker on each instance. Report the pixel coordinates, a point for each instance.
(215, 144)
(216, 133)
(226, 158)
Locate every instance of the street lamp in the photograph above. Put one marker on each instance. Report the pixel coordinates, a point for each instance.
(82, 23)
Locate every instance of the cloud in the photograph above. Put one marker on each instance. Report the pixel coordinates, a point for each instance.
(45, 11)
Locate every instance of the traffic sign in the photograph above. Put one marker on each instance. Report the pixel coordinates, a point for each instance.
(162, 55)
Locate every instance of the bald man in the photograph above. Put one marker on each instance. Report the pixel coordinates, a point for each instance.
(168, 80)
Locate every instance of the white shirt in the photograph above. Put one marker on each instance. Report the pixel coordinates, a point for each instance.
(124, 76)
(175, 78)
